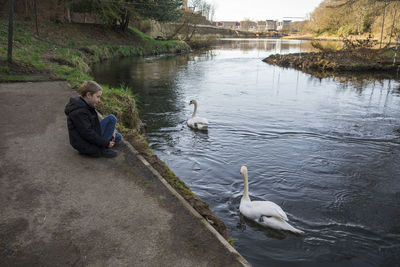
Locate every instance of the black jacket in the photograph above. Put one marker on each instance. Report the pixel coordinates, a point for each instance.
(84, 127)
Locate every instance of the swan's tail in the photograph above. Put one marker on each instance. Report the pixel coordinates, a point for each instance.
(290, 228)
(280, 224)
(295, 230)
(201, 126)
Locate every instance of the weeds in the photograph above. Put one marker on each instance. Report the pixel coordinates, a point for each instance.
(349, 43)
(5, 69)
(231, 241)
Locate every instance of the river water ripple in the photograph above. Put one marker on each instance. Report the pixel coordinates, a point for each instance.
(326, 150)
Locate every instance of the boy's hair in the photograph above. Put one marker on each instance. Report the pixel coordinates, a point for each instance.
(90, 87)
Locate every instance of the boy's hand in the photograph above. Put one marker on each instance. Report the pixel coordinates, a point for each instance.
(111, 144)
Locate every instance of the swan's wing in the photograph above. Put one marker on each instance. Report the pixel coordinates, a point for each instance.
(268, 208)
(198, 123)
(200, 120)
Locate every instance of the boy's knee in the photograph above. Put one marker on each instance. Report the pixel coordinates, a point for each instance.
(112, 117)
(118, 137)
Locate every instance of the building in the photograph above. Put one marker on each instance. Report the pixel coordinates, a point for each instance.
(261, 26)
(229, 24)
(247, 25)
(270, 25)
(283, 25)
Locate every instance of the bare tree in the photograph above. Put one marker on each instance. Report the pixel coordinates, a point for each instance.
(198, 10)
(245, 25)
(212, 13)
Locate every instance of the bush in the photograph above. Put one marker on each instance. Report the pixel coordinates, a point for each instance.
(349, 43)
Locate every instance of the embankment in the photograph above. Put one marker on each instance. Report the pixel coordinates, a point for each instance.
(182, 31)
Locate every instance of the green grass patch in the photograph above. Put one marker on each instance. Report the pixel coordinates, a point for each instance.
(231, 241)
(389, 54)
(5, 69)
(176, 182)
(73, 75)
(156, 47)
(19, 78)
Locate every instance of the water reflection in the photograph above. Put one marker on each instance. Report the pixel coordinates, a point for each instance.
(278, 46)
(325, 149)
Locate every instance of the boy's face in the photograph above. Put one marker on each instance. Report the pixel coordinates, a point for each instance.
(94, 99)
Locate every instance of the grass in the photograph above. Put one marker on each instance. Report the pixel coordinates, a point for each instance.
(177, 183)
(20, 78)
(231, 241)
(158, 47)
(5, 69)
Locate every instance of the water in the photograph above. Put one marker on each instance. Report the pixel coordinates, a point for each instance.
(326, 150)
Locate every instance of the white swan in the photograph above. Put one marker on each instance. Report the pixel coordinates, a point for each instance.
(197, 122)
(265, 213)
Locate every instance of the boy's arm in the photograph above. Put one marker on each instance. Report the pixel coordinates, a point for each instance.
(81, 122)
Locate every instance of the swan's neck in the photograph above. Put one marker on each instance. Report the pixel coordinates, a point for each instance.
(246, 187)
(195, 109)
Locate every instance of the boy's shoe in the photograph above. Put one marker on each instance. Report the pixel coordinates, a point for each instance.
(109, 153)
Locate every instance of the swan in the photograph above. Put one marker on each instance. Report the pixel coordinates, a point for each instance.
(197, 122)
(265, 213)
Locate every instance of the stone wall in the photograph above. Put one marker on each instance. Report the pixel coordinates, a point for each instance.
(166, 30)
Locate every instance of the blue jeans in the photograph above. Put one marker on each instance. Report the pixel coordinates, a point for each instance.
(108, 127)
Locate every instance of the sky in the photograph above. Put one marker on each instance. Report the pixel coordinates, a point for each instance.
(237, 10)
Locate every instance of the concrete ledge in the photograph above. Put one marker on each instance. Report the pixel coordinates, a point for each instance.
(217, 235)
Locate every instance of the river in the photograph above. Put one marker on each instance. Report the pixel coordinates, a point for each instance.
(326, 150)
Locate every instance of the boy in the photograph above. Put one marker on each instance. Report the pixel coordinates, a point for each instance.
(87, 134)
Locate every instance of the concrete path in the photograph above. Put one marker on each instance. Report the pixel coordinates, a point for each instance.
(59, 208)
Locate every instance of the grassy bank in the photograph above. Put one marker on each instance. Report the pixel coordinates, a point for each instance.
(66, 51)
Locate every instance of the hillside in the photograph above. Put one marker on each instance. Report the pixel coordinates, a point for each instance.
(354, 17)
(65, 50)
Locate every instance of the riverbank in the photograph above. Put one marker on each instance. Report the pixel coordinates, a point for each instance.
(326, 63)
(65, 51)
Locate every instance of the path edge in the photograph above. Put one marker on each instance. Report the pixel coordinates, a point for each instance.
(197, 215)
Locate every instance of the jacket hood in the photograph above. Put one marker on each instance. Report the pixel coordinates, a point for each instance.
(74, 104)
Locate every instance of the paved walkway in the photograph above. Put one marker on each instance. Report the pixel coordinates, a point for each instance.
(59, 208)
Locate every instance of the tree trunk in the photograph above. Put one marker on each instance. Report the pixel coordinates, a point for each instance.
(68, 13)
(397, 46)
(10, 31)
(391, 30)
(26, 9)
(185, 23)
(125, 20)
(36, 18)
(189, 37)
(383, 23)
(177, 30)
